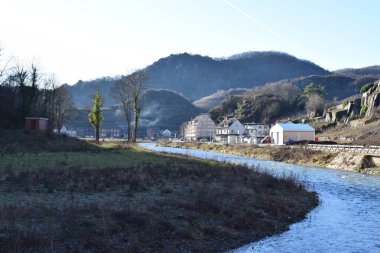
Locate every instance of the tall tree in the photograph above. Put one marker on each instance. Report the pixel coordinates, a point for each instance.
(137, 84)
(62, 107)
(96, 116)
(314, 89)
(121, 93)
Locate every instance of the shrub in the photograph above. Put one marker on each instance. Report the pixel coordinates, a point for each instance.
(364, 109)
(366, 87)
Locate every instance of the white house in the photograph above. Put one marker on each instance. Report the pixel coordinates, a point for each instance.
(201, 127)
(166, 133)
(283, 133)
(255, 132)
(66, 131)
(229, 130)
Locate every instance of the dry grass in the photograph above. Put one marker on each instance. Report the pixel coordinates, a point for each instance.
(363, 135)
(138, 201)
(282, 154)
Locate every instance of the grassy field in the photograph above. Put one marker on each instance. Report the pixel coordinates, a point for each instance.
(115, 198)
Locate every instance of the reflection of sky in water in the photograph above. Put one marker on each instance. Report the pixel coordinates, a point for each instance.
(348, 219)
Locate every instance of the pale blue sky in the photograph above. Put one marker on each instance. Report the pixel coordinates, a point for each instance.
(85, 39)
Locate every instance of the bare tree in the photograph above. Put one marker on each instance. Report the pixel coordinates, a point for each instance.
(121, 93)
(62, 107)
(4, 67)
(315, 105)
(137, 83)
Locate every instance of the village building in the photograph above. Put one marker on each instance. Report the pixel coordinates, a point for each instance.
(201, 127)
(229, 130)
(153, 133)
(255, 132)
(66, 131)
(36, 124)
(110, 133)
(283, 133)
(166, 134)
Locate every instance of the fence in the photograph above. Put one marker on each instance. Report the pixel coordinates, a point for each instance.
(370, 150)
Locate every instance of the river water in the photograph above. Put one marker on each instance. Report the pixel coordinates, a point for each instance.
(347, 220)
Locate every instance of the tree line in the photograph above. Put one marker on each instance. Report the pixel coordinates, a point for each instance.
(25, 91)
(127, 92)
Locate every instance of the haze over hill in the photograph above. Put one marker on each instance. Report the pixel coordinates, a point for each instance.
(160, 108)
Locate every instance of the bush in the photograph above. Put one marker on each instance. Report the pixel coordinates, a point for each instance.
(364, 109)
(366, 87)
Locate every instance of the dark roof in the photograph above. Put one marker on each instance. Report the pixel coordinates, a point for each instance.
(227, 122)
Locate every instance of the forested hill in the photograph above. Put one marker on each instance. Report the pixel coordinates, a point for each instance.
(197, 76)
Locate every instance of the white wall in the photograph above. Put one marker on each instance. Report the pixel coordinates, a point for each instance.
(298, 136)
(277, 137)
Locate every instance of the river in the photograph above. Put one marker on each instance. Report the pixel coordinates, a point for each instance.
(347, 220)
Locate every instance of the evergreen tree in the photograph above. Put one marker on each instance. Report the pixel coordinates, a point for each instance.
(96, 116)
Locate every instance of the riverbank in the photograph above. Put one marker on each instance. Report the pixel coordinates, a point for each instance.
(117, 198)
(366, 164)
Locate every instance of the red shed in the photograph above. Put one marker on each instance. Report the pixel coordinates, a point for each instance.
(36, 124)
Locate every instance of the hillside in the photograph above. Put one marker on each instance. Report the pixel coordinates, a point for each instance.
(209, 102)
(223, 103)
(83, 90)
(198, 76)
(167, 109)
(337, 86)
(161, 108)
(371, 71)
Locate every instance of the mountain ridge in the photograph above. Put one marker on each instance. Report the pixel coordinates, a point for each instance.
(196, 76)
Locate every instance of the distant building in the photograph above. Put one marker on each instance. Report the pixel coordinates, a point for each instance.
(283, 133)
(107, 130)
(85, 132)
(201, 127)
(229, 130)
(166, 133)
(153, 132)
(110, 130)
(67, 131)
(36, 124)
(255, 132)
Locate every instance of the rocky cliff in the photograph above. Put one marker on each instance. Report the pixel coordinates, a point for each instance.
(371, 101)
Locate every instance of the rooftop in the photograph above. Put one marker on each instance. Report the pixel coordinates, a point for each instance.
(295, 127)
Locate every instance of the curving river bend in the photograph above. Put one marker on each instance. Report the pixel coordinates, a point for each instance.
(347, 220)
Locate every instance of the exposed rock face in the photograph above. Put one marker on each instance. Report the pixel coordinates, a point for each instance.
(371, 101)
(367, 106)
(367, 164)
(343, 111)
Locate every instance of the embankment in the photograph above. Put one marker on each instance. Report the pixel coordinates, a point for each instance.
(367, 164)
